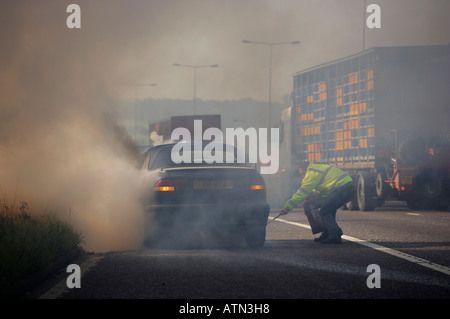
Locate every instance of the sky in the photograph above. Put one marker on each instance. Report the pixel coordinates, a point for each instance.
(205, 32)
(144, 38)
(61, 143)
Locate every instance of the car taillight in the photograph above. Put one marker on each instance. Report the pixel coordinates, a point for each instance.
(170, 185)
(257, 183)
(251, 183)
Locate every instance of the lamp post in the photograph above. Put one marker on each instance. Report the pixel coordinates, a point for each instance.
(364, 26)
(195, 67)
(270, 45)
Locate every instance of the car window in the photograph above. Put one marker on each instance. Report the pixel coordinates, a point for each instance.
(162, 158)
(146, 161)
(217, 156)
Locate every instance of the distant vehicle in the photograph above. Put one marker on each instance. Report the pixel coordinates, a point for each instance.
(208, 200)
(161, 131)
(383, 116)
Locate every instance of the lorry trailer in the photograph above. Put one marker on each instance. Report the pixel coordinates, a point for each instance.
(383, 115)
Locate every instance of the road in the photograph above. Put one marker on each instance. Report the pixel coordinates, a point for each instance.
(410, 248)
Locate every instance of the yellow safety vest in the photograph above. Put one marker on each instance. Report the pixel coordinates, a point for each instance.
(321, 178)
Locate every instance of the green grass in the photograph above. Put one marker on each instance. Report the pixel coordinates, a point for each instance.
(30, 243)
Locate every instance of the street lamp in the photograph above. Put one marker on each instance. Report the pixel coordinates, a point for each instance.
(270, 45)
(364, 26)
(195, 67)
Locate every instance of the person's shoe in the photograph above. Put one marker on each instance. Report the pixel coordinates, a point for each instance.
(323, 236)
(332, 240)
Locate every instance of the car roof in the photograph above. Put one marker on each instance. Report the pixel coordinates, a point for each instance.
(204, 143)
(157, 149)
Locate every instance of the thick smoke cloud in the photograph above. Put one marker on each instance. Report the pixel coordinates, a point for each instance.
(61, 147)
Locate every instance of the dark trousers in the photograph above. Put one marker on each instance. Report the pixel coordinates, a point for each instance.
(331, 204)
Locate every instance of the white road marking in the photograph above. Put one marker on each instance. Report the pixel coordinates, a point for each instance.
(60, 288)
(410, 258)
(413, 214)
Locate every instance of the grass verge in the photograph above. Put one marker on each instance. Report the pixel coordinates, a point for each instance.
(30, 243)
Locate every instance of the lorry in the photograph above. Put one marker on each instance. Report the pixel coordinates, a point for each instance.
(161, 131)
(382, 115)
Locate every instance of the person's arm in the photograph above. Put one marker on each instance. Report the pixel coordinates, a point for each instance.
(309, 182)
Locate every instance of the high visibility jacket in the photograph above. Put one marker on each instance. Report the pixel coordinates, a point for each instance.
(319, 178)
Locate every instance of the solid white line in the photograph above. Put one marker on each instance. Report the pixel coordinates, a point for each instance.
(410, 258)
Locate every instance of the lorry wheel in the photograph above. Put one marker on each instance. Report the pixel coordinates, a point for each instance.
(381, 187)
(363, 192)
(432, 187)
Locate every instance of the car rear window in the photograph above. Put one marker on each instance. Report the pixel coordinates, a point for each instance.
(163, 158)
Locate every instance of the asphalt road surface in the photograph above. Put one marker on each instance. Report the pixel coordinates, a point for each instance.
(391, 253)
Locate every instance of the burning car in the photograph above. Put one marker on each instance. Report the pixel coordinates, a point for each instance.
(208, 198)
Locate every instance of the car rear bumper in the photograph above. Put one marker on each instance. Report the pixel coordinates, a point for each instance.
(209, 214)
(239, 206)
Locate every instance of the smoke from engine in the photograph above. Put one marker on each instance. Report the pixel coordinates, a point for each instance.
(62, 149)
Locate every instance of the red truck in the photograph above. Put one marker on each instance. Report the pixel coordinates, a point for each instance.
(161, 131)
(383, 115)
